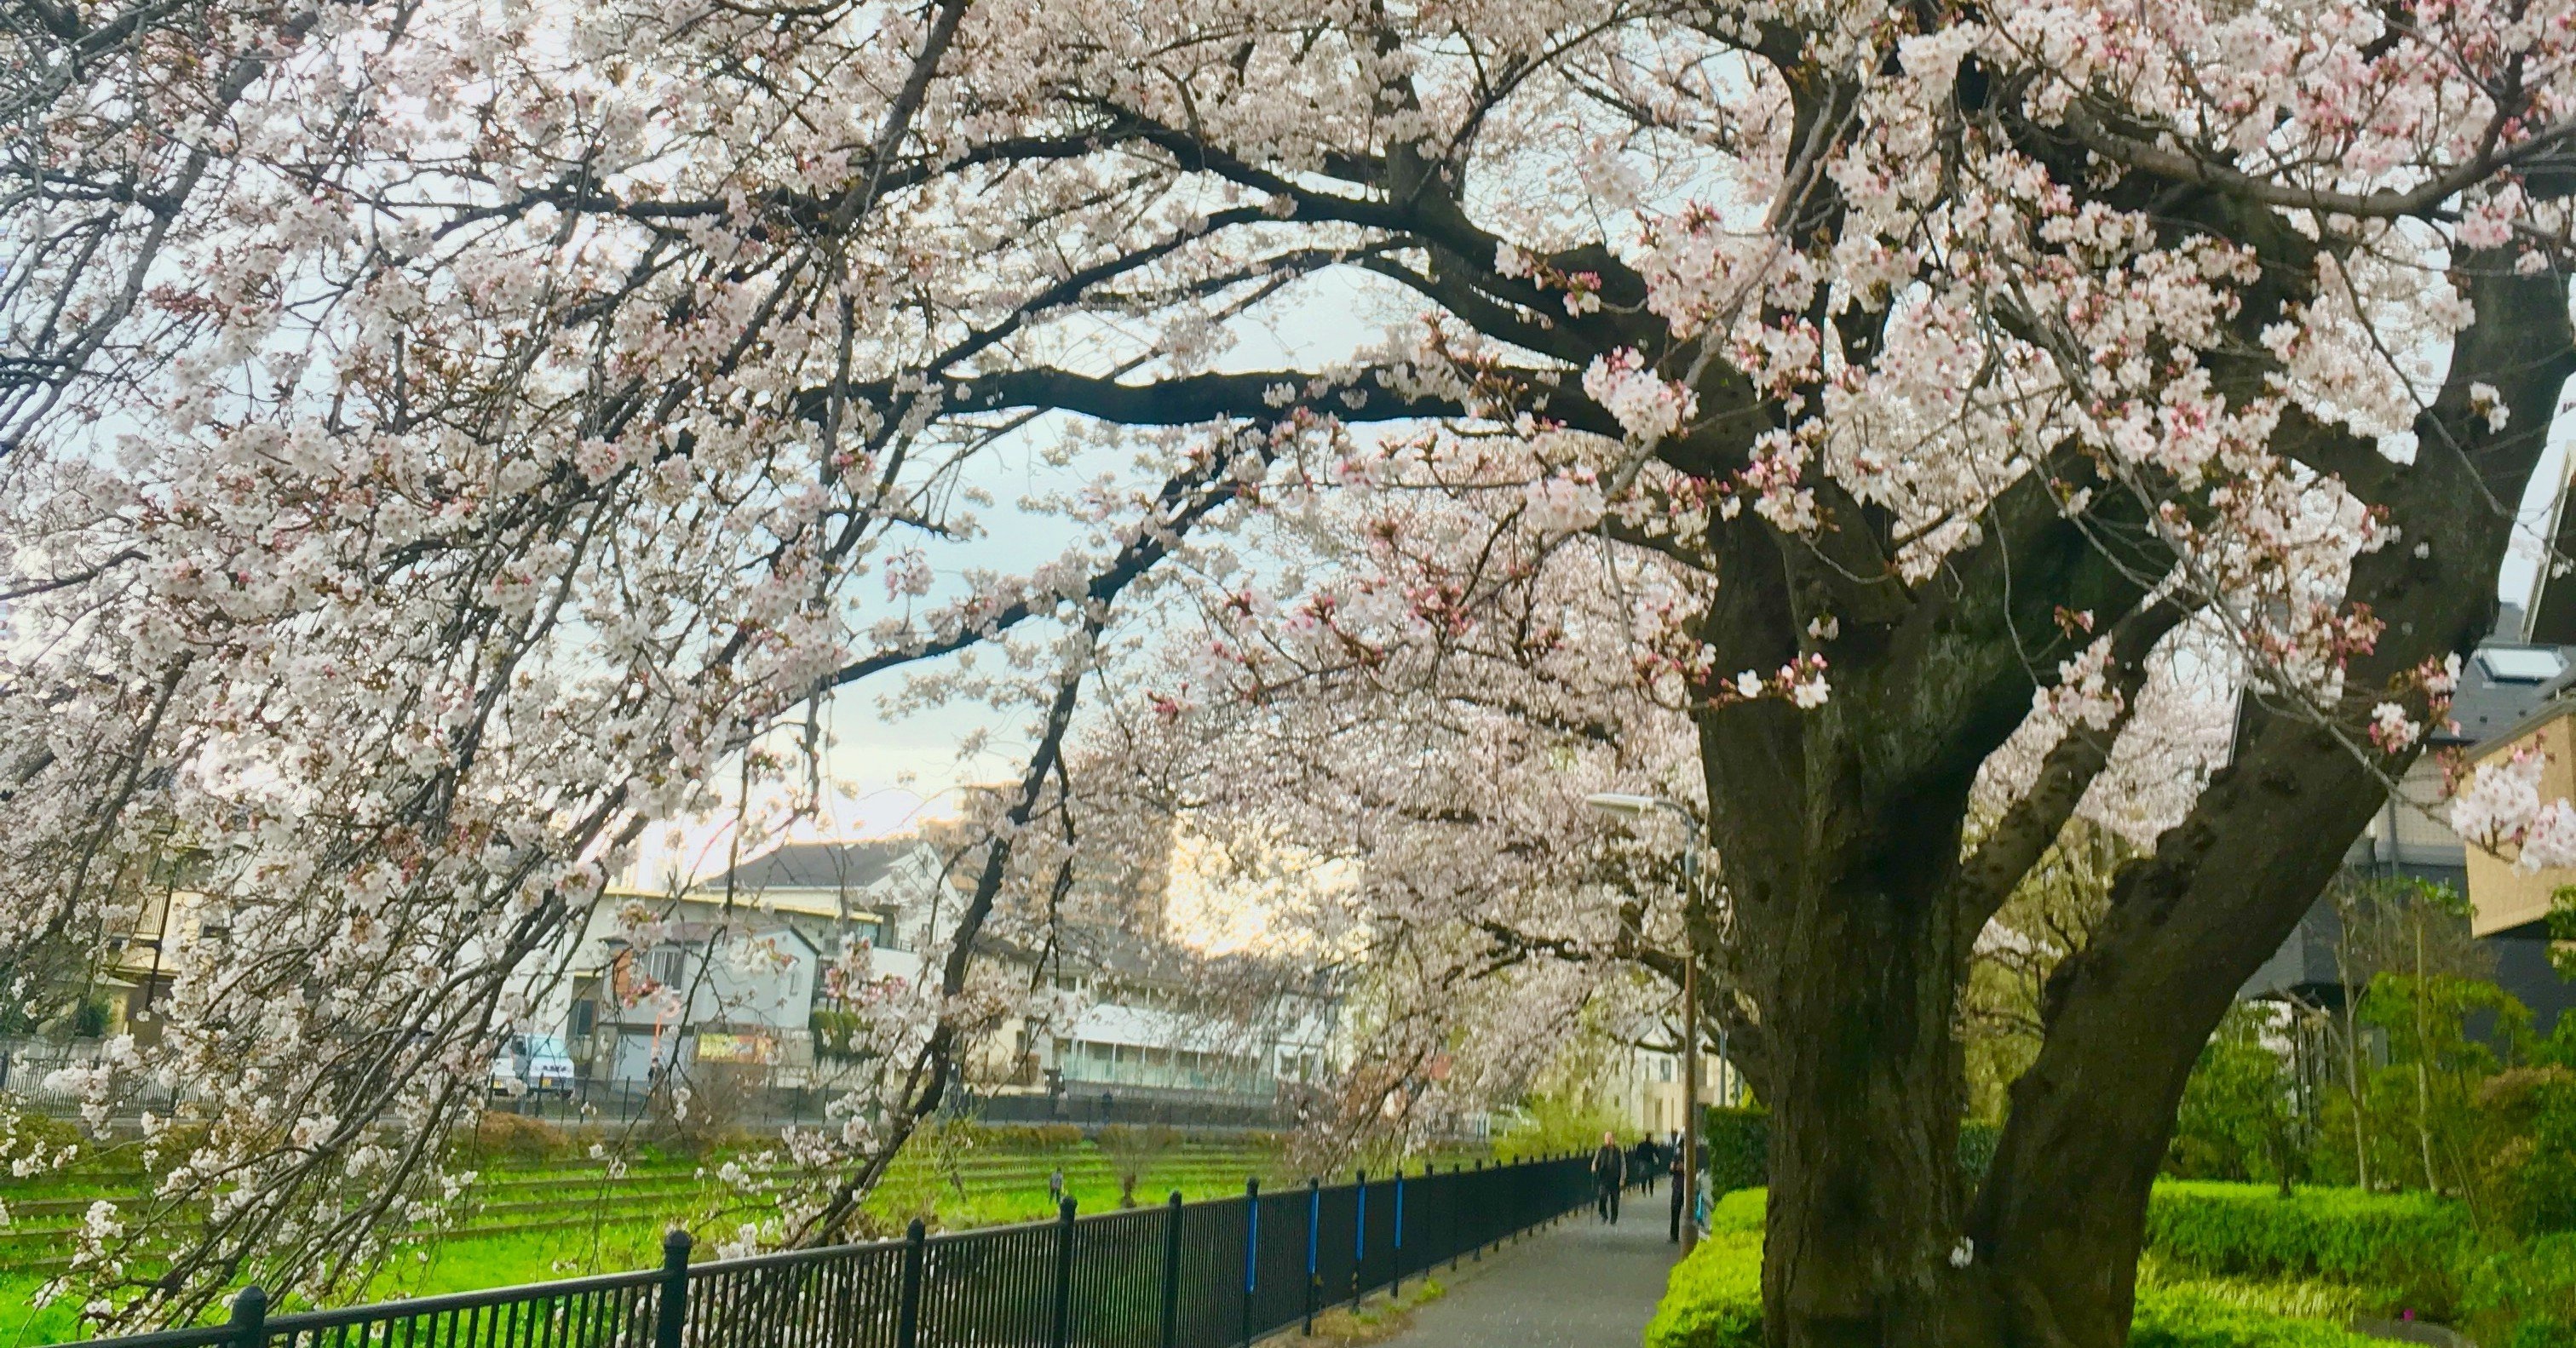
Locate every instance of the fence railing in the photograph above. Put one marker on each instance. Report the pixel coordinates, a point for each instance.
(1184, 1275)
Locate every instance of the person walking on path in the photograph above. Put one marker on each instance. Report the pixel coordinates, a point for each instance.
(1679, 1186)
(1642, 1166)
(1609, 1175)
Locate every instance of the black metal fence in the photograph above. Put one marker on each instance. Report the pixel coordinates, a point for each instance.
(1184, 1275)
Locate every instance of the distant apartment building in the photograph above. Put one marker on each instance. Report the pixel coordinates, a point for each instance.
(736, 969)
(1647, 1090)
(2512, 692)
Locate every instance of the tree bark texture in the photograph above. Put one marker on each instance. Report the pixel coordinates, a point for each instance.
(1839, 834)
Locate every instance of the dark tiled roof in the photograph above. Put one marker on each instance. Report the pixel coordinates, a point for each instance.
(827, 866)
(2486, 705)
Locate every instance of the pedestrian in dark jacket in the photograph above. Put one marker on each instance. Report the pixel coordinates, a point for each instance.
(1679, 1186)
(1643, 1163)
(1609, 1176)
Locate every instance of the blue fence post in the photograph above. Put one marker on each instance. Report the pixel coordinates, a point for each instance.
(1251, 1252)
(1314, 1221)
(1359, 1237)
(671, 1307)
(1172, 1270)
(1063, 1329)
(907, 1314)
(249, 1324)
(1397, 1288)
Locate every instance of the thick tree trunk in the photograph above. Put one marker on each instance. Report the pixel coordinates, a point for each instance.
(1865, 1108)
(1839, 836)
(2062, 1214)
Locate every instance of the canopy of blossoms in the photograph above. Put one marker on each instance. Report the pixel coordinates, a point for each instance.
(440, 439)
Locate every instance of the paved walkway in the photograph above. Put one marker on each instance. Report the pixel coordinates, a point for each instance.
(1581, 1285)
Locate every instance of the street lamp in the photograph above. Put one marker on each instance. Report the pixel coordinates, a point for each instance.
(1637, 807)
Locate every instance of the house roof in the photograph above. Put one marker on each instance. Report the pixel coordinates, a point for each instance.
(2502, 684)
(834, 866)
(702, 933)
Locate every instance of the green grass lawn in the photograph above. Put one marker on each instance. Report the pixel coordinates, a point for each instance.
(592, 1224)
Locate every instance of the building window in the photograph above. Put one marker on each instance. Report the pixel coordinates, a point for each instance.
(584, 1016)
(667, 965)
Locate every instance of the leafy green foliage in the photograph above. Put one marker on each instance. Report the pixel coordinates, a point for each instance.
(1555, 1125)
(2178, 1317)
(1977, 1143)
(1738, 1213)
(2411, 1244)
(1736, 1149)
(2526, 1170)
(2298, 1298)
(1713, 1299)
(2525, 1296)
(2235, 1121)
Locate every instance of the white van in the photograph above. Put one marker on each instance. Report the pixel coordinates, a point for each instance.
(532, 1064)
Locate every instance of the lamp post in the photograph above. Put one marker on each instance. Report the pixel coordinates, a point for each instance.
(1635, 807)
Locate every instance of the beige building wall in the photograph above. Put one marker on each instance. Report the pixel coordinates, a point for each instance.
(2503, 895)
(1652, 1101)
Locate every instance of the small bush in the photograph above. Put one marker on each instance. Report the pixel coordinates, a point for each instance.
(1977, 1143)
(1738, 1213)
(2173, 1317)
(1738, 1143)
(2411, 1244)
(2526, 1294)
(2527, 1177)
(1714, 1298)
(501, 1136)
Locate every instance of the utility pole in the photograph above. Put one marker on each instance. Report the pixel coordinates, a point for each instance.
(1690, 1046)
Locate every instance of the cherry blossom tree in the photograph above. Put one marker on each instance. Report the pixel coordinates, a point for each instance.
(441, 439)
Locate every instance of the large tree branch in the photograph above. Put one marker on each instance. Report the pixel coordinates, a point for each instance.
(2129, 1014)
(2031, 824)
(1376, 394)
(927, 1081)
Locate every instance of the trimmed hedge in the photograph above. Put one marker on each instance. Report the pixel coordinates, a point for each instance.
(1738, 1147)
(2179, 1317)
(2412, 1245)
(1738, 1213)
(1714, 1300)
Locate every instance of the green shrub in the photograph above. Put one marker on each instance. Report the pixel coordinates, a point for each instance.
(2180, 1317)
(1557, 1126)
(2525, 1295)
(2298, 1298)
(1977, 1143)
(1738, 1147)
(502, 1136)
(2527, 1171)
(1713, 1299)
(1738, 1213)
(2411, 1244)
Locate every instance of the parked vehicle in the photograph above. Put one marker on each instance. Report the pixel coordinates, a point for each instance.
(532, 1064)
